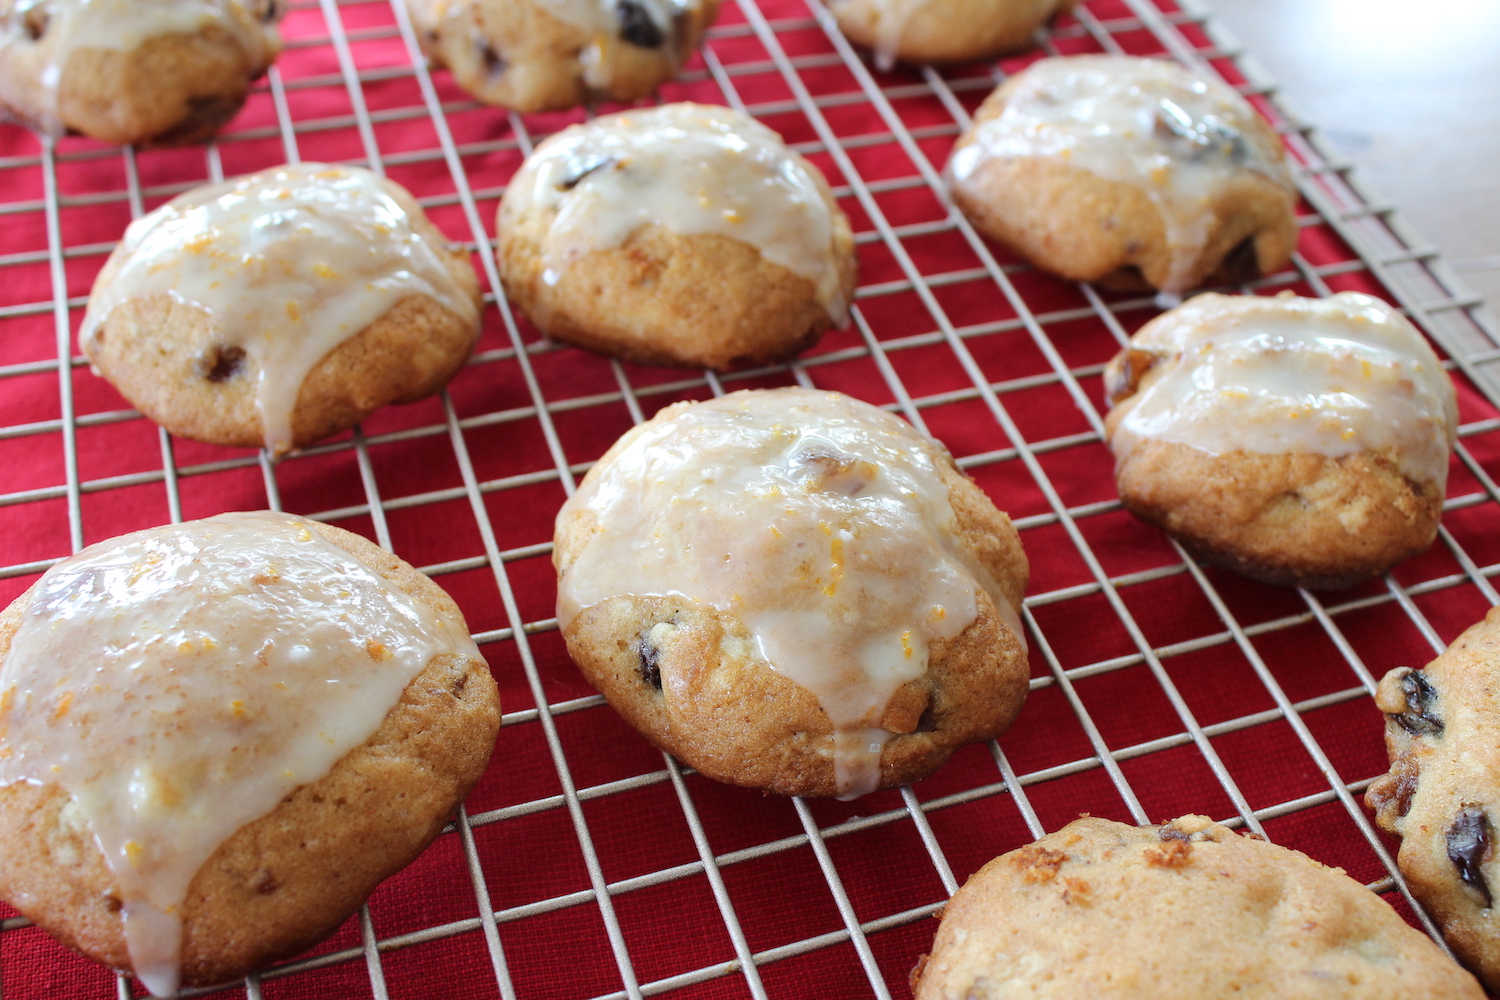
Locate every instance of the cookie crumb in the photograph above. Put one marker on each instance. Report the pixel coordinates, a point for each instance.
(1171, 854)
(1039, 864)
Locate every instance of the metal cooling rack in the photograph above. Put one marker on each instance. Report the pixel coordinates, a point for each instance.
(793, 50)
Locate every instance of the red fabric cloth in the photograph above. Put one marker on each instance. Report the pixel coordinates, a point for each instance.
(527, 845)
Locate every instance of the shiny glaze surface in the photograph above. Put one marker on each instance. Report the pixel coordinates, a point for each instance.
(179, 682)
(288, 264)
(1333, 376)
(690, 168)
(818, 521)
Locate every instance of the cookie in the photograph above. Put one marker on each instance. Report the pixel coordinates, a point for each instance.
(133, 71)
(943, 31)
(547, 55)
(1184, 911)
(1297, 441)
(681, 235)
(1444, 787)
(209, 757)
(794, 591)
(1130, 172)
(279, 308)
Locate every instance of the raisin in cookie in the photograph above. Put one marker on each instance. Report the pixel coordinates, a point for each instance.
(1444, 788)
(133, 71)
(1297, 441)
(1131, 172)
(795, 591)
(1185, 911)
(681, 235)
(209, 756)
(282, 307)
(540, 55)
(943, 31)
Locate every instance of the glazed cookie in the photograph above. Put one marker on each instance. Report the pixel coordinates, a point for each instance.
(1184, 911)
(133, 71)
(680, 235)
(1297, 441)
(1444, 788)
(209, 757)
(943, 31)
(282, 307)
(1130, 172)
(794, 591)
(541, 55)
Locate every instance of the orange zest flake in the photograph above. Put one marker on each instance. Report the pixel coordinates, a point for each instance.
(324, 271)
(906, 647)
(293, 311)
(63, 704)
(938, 612)
(238, 708)
(133, 851)
(836, 550)
(377, 650)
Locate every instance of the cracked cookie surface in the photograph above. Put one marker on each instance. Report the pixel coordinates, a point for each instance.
(1183, 911)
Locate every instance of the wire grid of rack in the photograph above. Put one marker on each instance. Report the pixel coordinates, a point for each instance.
(586, 864)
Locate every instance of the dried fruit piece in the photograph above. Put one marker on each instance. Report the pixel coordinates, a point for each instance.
(1468, 843)
(225, 364)
(1419, 719)
(636, 26)
(650, 666)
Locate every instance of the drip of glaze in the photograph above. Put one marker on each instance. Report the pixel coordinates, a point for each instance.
(1333, 376)
(179, 682)
(691, 168)
(818, 521)
(1178, 137)
(288, 264)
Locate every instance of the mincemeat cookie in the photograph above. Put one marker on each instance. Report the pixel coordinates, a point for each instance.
(279, 308)
(1129, 172)
(210, 754)
(1185, 911)
(943, 31)
(1297, 441)
(545, 55)
(1443, 789)
(794, 591)
(150, 72)
(681, 235)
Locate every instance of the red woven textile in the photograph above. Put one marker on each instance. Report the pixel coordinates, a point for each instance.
(1156, 692)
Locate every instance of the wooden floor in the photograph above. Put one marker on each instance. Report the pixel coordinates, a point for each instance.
(1411, 93)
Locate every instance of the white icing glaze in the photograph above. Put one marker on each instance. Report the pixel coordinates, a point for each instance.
(691, 168)
(65, 26)
(289, 263)
(179, 682)
(1332, 376)
(890, 20)
(818, 521)
(1145, 122)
